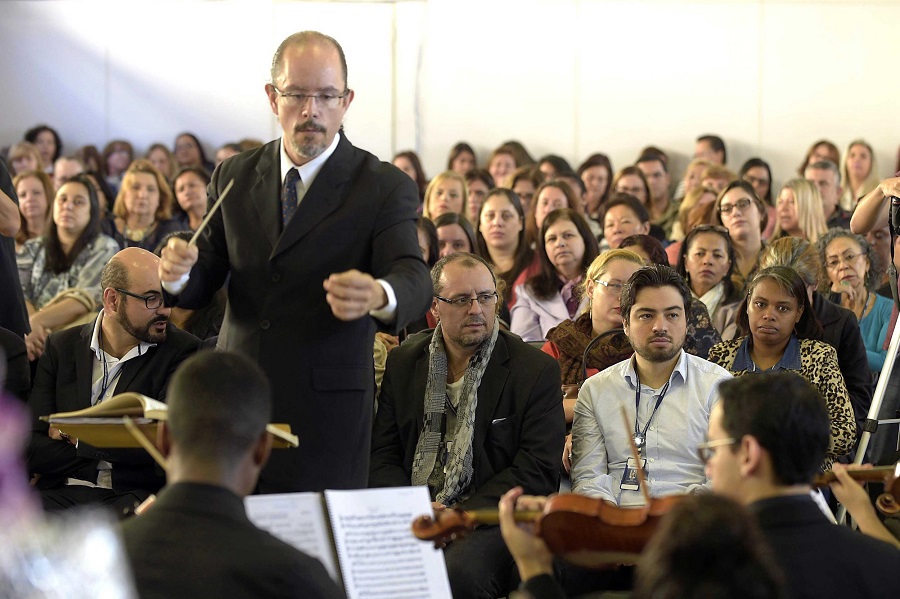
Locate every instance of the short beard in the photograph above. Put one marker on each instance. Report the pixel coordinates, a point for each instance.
(144, 333)
(308, 150)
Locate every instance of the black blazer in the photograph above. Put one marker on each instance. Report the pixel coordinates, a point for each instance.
(63, 384)
(520, 426)
(18, 371)
(359, 213)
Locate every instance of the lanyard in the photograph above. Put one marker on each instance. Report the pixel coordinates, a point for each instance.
(640, 436)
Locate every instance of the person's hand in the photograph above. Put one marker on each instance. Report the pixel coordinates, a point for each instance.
(353, 294)
(567, 454)
(844, 288)
(438, 507)
(55, 433)
(176, 260)
(531, 553)
(890, 187)
(391, 342)
(35, 340)
(850, 493)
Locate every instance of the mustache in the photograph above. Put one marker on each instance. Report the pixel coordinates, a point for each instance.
(309, 126)
(160, 318)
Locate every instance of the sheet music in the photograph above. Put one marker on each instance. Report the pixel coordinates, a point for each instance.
(299, 520)
(380, 557)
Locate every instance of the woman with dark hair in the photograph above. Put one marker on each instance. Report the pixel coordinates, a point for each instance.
(35, 191)
(744, 215)
(524, 181)
(117, 156)
(631, 180)
(189, 152)
(479, 182)
(820, 150)
(519, 152)
(551, 295)
(552, 165)
(161, 158)
(757, 173)
(105, 195)
(454, 234)
(189, 186)
(60, 271)
(142, 213)
(549, 196)
(782, 333)
(501, 237)
(409, 163)
(706, 263)
(462, 159)
(48, 144)
(428, 241)
(623, 216)
(596, 173)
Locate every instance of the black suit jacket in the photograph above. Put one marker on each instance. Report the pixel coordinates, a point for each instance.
(520, 426)
(359, 214)
(18, 371)
(196, 541)
(820, 559)
(63, 384)
(13, 315)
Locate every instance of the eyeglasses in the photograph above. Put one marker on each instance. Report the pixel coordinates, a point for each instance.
(708, 449)
(847, 258)
(740, 205)
(485, 300)
(635, 191)
(755, 180)
(323, 100)
(710, 229)
(614, 288)
(153, 301)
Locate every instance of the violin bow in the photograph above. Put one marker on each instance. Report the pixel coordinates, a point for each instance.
(634, 454)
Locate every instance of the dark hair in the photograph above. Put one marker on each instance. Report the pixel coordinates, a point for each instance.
(108, 150)
(58, 261)
(715, 142)
(482, 175)
(558, 163)
(790, 282)
(545, 283)
(114, 274)
(518, 151)
(571, 179)
(786, 415)
(628, 200)
(708, 546)
(760, 163)
(654, 276)
(460, 148)
(731, 294)
(219, 405)
(197, 170)
(832, 149)
(303, 37)
(649, 244)
(421, 181)
(653, 157)
(454, 218)
(103, 187)
(532, 233)
(203, 161)
(744, 185)
(32, 134)
(601, 160)
(88, 154)
(631, 171)
(524, 255)
(427, 227)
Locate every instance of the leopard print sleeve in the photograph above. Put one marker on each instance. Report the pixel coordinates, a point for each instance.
(820, 367)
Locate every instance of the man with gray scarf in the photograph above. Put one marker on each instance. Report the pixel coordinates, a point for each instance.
(470, 411)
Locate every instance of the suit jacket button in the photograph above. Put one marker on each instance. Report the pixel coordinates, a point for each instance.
(276, 277)
(264, 325)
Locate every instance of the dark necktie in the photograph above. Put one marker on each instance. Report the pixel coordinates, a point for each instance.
(289, 196)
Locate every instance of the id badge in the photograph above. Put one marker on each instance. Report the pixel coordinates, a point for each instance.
(630, 481)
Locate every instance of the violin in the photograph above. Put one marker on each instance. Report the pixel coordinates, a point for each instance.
(890, 475)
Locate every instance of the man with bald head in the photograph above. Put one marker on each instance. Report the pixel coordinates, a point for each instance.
(131, 346)
(319, 240)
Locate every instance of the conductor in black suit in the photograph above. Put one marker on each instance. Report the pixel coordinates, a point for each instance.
(320, 243)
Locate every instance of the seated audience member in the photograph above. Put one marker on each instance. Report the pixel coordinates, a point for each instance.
(131, 346)
(117, 157)
(162, 160)
(853, 496)
(623, 217)
(820, 150)
(850, 263)
(701, 334)
(501, 237)
(631, 180)
(24, 157)
(880, 240)
(687, 214)
(493, 418)
(35, 190)
(462, 159)
(782, 333)
(48, 143)
(662, 208)
(768, 436)
(142, 213)
(859, 173)
(479, 183)
(226, 151)
(757, 173)
(706, 265)
(717, 177)
(189, 152)
(90, 157)
(454, 234)
(711, 148)
(798, 211)
(551, 295)
(189, 186)
(216, 443)
(15, 366)
(692, 177)
(744, 215)
(706, 546)
(445, 193)
(501, 164)
(519, 153)
(409, 163)
(596, 174)
(578, 190)
(60, 271)
(826, 176)
(524, 181)
(104, 193)
(672, 391)
(65, 168)
(551, 165)
(839, 325)
(550, 196)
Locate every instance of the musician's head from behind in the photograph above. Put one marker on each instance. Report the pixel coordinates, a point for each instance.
(219, 405)
(768, 435)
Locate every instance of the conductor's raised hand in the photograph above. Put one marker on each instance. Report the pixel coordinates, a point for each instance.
(353, 294)
(176, 260)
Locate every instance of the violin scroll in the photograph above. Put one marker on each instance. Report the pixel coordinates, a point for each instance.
(445, 526)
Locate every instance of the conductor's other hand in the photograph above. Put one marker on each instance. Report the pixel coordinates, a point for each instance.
(353, 294)
(176, 260)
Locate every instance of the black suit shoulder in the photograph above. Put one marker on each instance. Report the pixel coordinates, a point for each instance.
(18, 372)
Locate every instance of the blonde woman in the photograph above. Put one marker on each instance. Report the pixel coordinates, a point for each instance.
(798, 211)
(859, 173)
(445, 193)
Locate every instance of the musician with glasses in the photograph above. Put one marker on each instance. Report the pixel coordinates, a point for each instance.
(470, 411)
(744, 215)
(131, 346)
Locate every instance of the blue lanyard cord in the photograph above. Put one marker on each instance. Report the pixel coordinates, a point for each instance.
(637, 403)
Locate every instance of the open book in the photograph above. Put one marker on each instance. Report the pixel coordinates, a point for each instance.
(144, 411)
(362, 537)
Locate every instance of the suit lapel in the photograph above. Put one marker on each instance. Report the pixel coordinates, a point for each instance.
(132, 368)
(266, 193)
(84, 365)
(490, 390)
